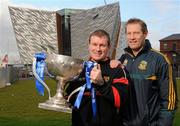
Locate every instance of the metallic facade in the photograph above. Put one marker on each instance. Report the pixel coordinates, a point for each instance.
(36, 28)
(33, 29)
(83, 23)
(122, 41)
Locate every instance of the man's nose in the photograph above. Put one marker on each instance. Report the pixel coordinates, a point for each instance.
(98, 48)
(132, 36)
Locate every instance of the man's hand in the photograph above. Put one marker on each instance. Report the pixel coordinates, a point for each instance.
(116, 63)
(96, 75)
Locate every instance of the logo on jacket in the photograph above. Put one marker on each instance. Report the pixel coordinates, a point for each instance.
(106, 78)
(143, 65)
(125, 62)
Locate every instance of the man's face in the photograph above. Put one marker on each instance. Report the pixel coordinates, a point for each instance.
(98, 48)
(135, 36)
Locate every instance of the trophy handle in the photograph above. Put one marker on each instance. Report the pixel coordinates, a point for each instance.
(38, 78)
(73, 92)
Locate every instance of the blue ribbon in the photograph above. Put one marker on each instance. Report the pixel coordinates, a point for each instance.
(89, 65)
(40, 66)
(93, 99)
(79, 97)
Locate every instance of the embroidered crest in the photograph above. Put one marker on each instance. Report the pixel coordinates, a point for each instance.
(106, 78)
(125, 62)
(143, 65)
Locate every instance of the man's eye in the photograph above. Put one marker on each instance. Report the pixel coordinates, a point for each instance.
(103, 45)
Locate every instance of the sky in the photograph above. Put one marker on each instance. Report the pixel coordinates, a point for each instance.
(161, 16)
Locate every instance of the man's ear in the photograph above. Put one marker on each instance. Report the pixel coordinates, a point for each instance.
(146, 34)
(98, 66)
(109, 46)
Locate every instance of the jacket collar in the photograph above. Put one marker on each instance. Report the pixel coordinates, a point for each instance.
(101, 62)
(104, 62)
(147, 46)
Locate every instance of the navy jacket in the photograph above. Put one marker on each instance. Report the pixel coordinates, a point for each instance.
(152, 90)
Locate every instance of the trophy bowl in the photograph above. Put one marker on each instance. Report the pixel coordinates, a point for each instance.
(63, 68)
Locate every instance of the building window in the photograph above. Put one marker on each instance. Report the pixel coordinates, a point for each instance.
(165, 45)
(174, 57)
(174, 46)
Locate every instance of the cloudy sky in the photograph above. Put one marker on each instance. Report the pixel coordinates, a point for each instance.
(161, 16)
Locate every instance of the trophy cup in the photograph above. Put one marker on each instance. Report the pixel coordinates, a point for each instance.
(63, 68)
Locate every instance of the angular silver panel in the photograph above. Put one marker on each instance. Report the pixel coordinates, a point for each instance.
(33, 28)
(83, 23)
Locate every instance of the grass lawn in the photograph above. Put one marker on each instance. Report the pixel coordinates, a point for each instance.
(19, 106)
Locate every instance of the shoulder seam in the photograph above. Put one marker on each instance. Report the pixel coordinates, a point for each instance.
(163, 55)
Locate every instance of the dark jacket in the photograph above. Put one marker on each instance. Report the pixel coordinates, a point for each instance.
(108, 97)
(152, 90)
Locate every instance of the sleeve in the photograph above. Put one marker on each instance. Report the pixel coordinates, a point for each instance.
(168, 94)
(116, 89)
(120, 85)
(122, 58)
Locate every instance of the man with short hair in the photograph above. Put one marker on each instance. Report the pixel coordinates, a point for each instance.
(152, 91)
(103, 92)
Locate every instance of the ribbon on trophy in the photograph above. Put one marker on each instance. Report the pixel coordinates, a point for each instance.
(89, 65)
(40, 67)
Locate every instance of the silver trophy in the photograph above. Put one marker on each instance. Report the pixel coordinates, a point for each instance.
(64, 68)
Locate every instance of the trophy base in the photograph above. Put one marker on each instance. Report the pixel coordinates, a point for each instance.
(56, 106)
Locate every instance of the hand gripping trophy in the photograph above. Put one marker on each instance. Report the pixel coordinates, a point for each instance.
(60, 67)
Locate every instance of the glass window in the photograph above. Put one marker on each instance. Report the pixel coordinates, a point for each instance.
(165, 46)
(174, 46)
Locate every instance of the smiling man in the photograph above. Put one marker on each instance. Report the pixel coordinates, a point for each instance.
(136, 34)
(152, 90)
(101, 99)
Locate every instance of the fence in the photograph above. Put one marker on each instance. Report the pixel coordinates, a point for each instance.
(8, 75)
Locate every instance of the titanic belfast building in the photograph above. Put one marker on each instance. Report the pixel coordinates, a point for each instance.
(64, 31)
